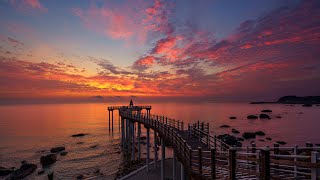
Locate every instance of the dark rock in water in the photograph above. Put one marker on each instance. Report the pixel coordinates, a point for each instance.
(224, 126)
(260, 133)
(249, 135)
(48, 159)
(63, 153)
(41, 172)
(279, 117)
(232, 117)
(50, 176)
(24, 171)
(143, 137)
(281, 142)
(268, 138)
(24, 162)
(228, 139)
(5, 171)
(262, 140)
(317, 105)
(94, 146)
(264, 116)
(266, 110)
(300, 113)
(252, 117)
(80, 177)
(79, 135)
(80, 142)
(238, 144)
(240, 139)
(57, 149)
(307, 105)
(235, 131)
(317, 145)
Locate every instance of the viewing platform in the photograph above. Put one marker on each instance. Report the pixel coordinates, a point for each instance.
(203, 156)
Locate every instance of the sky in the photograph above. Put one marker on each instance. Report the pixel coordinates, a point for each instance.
(217, 50)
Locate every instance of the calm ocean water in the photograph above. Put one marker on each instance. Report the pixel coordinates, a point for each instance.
(29, 131)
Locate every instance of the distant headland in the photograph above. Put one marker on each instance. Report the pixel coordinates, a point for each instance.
(306, 100)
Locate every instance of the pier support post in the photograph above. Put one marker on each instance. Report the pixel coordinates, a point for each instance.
(122, 131)
(148, 148)
(133, 150)
(265, 164)
(112, 119)
(155, 149)
(163, 156)
(139, 141)
(182, 173)
(213, 163)
(315, 172)
(232, 163)
(174, 165)
(109, 119)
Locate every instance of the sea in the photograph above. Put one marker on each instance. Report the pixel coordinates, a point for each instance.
(28, 132)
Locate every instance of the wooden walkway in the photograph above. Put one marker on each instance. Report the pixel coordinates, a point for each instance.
(206, 157)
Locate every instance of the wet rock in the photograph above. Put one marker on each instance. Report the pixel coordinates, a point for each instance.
(24, 171)
(48, 159)
(317, 105)
(80, 142)
(260, 133)
(240, 139)
(262, 140)
(317, 145)
(57, 149)
(307, 105)
(264, 116)
(249, 135)
(232, 117)
(235, 131)
(266, 111)
(252, 117)
(143, 137)
(50, 176)
(79, 135)
(24, 162)
(41, 172)
(269, 138)
(228, 139)
(224, 126)
(238, 144)
(94, 146)
(80, 177)
(5, 171)
(281, 142)
(63, 153)
(279, 117)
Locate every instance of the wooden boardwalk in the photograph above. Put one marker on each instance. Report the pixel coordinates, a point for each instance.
(203, 156)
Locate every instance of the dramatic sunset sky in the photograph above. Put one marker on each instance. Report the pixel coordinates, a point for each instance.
(206, 49)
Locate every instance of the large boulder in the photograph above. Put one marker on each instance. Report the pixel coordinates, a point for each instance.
(252, 117)
(228, 139)
(232, 117)
(266, 111)
(48, 159)
(249, 135)
(5, 171)
(24, 171)
(264, 116)
(260, 133)
(57, 149)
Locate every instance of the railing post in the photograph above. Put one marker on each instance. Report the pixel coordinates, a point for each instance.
(215, 141)
(190, 156)
(200, 161)
(258, 162)
(295, 148)
(232, 163)
(276, 151)
(315, 172)
(265, 164)
(213, 163)
(182, 126)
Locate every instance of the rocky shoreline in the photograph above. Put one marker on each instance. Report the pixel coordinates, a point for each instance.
(306, 101)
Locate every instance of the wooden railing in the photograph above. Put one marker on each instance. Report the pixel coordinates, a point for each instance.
(128, 107)
(216, 159)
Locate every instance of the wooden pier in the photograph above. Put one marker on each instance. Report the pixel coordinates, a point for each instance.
(203, 156)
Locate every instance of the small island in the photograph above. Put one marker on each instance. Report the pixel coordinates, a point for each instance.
(306, 100)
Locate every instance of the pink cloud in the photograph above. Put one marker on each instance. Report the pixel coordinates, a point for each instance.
(27, 5)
